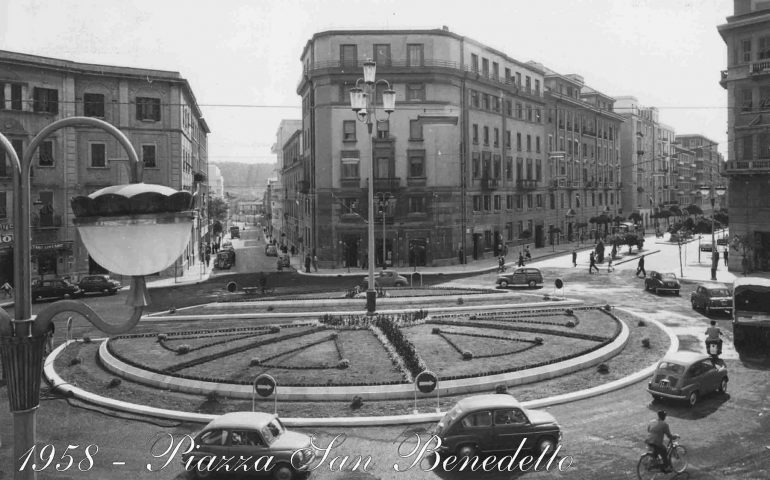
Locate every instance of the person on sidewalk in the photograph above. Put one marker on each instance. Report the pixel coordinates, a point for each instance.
(527, 254)
(315, 261)
(592, 263)
(7, 289)
(574, 257)
(308, 261)
(609, 265)
(501, 264)
(725, 252)
(745, 265)
(640, 268)
(521, 259)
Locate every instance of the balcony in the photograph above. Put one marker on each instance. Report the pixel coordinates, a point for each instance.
(758, 68)
(352, 182)
(387, 184)
(747, 167)
(527, 184)
(488, 183)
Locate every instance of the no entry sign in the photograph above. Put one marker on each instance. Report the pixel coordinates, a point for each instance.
(264, 385)
(426, 381)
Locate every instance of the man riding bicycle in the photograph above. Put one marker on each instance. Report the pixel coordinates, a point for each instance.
(657, 429)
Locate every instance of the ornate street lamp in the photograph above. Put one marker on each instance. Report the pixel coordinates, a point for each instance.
(133, 230)
(362, 102)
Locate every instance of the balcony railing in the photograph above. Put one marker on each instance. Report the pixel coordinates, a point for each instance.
(747, 166)
(387, 184)
(526, 184)
(758, 68)
(488, 183)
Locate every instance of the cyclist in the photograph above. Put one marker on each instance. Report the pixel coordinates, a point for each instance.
(656, 430)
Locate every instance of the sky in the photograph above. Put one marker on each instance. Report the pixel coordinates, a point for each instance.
(242, 58)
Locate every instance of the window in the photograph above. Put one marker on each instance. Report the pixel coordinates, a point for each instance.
(529, 113)
(528, 84)
(507, 75)
(529, 143)
(518, 79)
(529, 169)
(495, 70)
(539, 200)
(476, 160)
(477, 203)
(46, 100)
(98, 155)
(485, 101)
(509, 108)
(416, 204)
(474, 98)
(485, 67)
(348, 130)
(350, 164)
(746, 100)
(509, 168)
(497, 202)
(416, 163)
(148, 156)
(474, 63)
(486, 135)
(214, 437)
(475, 133)
(519, 203)
(509, 202)
(415, 130)
(537, 144)
(748, 147)
(349, 56)
(148, 109)
(529, 201)
(507, 139)
(415, 92)
(246, 438)
(16, 103)
(519, 168)
(3, 206)
(45, 154)
(414, 54)
(538, 169)
(746, 49)
(382, 54)
(538, 118)
(552, 201)
(93, 105)
(487, 206)
(518, 141)
(497, 166)
(497, 137)
(496, 104)
(537, 87)
(383, 129)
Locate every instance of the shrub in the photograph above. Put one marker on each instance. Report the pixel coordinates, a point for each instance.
(641, 323)
(546, 297)
(460, 301)
(183, 349)
(435, 331)
(86, 339)
(603, 368)
(343, 364)
(212, 396)
(569, 312)
(254, 361)
(76, 361)
(608, 307)
(646, 342)
(539, 340)
(162, 336)
(114, 383)
(467, 355)
(172, 309)
(571, 324)
(501, 388)
(270, 308)
(356, 403)
(275, 329)
(473, 317)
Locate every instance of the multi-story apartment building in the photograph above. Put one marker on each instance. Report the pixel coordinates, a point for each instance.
(747, 81)
(646, 149)
(297, 201)
(684, 176)
(583, 165)
(279, 217)
(707, 170)
(155, 109)
(463, 159)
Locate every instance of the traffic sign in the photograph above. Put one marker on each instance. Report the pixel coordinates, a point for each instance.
(426, 381)
(264, 385)
(559, 283)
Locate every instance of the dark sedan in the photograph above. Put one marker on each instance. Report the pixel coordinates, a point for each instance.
(712, 298)
(662, 282)
(55, 288)
(99, 284)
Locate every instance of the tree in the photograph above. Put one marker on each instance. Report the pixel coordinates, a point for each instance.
(635, 217)
(217, 209)
(632, 240)
(693, 210)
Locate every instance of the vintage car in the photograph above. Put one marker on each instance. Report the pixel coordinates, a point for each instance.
(662, 282)
(387, 278)
(54, 288)
(495, 422)
(271, 250)
(521, 276)
(225, 259)
(686, 375)
(235, 232)
(99, 283)
(252, 435)
(712, 298)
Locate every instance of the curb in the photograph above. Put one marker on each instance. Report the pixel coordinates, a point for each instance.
(58, 383)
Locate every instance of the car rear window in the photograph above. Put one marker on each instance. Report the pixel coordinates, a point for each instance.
(669, 367)
(720, 292)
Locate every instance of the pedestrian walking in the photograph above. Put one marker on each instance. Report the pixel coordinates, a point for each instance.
(501, 264)
(7, 289)
(521, 259)
(614, 251)
(724, 254)
(592, 263)
(745, 265)
(505, 250)
(527, 254)
(308, 261)
(640, 268)
(574, 257)
(315, 262)
(609, 265)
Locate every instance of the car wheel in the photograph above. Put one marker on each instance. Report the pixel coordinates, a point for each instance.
(546, 444)
(692, 399)
(694, 304)
(466, 451)
(532, 284)
(504, 284)
(283, 472)
(708, 310)
(723, 385)
(657, 292)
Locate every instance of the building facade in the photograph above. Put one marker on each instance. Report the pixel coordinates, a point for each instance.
(460, 169)
(279, 217)
(155, 109)
(747, 81)
(707, 169)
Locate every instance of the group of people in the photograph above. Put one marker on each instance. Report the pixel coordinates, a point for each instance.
(526, 255)
(594, 257)
(311, 261)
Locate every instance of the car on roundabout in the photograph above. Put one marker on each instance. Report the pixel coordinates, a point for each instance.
(495, 422)
(529, 276)
(386, 278)
(662, 282)
(687, 376)
(100, 284)
(712, 298)
(253, 435)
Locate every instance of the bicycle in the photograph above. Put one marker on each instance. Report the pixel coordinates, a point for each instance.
(649, 467)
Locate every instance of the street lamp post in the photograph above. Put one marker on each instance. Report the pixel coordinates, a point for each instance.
(713, 192)
(362, 102)
(113, 240)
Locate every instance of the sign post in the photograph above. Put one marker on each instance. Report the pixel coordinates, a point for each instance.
(559, 284)
(426, 381)
(264, 386)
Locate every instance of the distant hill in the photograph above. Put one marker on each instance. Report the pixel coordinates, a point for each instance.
(247, 181)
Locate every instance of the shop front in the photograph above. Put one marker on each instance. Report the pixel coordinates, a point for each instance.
(52, 259)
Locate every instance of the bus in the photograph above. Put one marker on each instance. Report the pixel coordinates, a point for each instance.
(751, 317)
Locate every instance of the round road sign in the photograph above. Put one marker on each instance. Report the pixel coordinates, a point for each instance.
(558, 283)
(426, 381)
(264, 385)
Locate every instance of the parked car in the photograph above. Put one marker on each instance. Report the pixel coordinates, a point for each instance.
(521, 276)
(225, 259)
(387, 278)
(686, 375)
(271, 250)
(252, 435)
(99, 283)
(705, 247)
(712, 298)
(495, 422)
(55, 288)
(662, 282)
